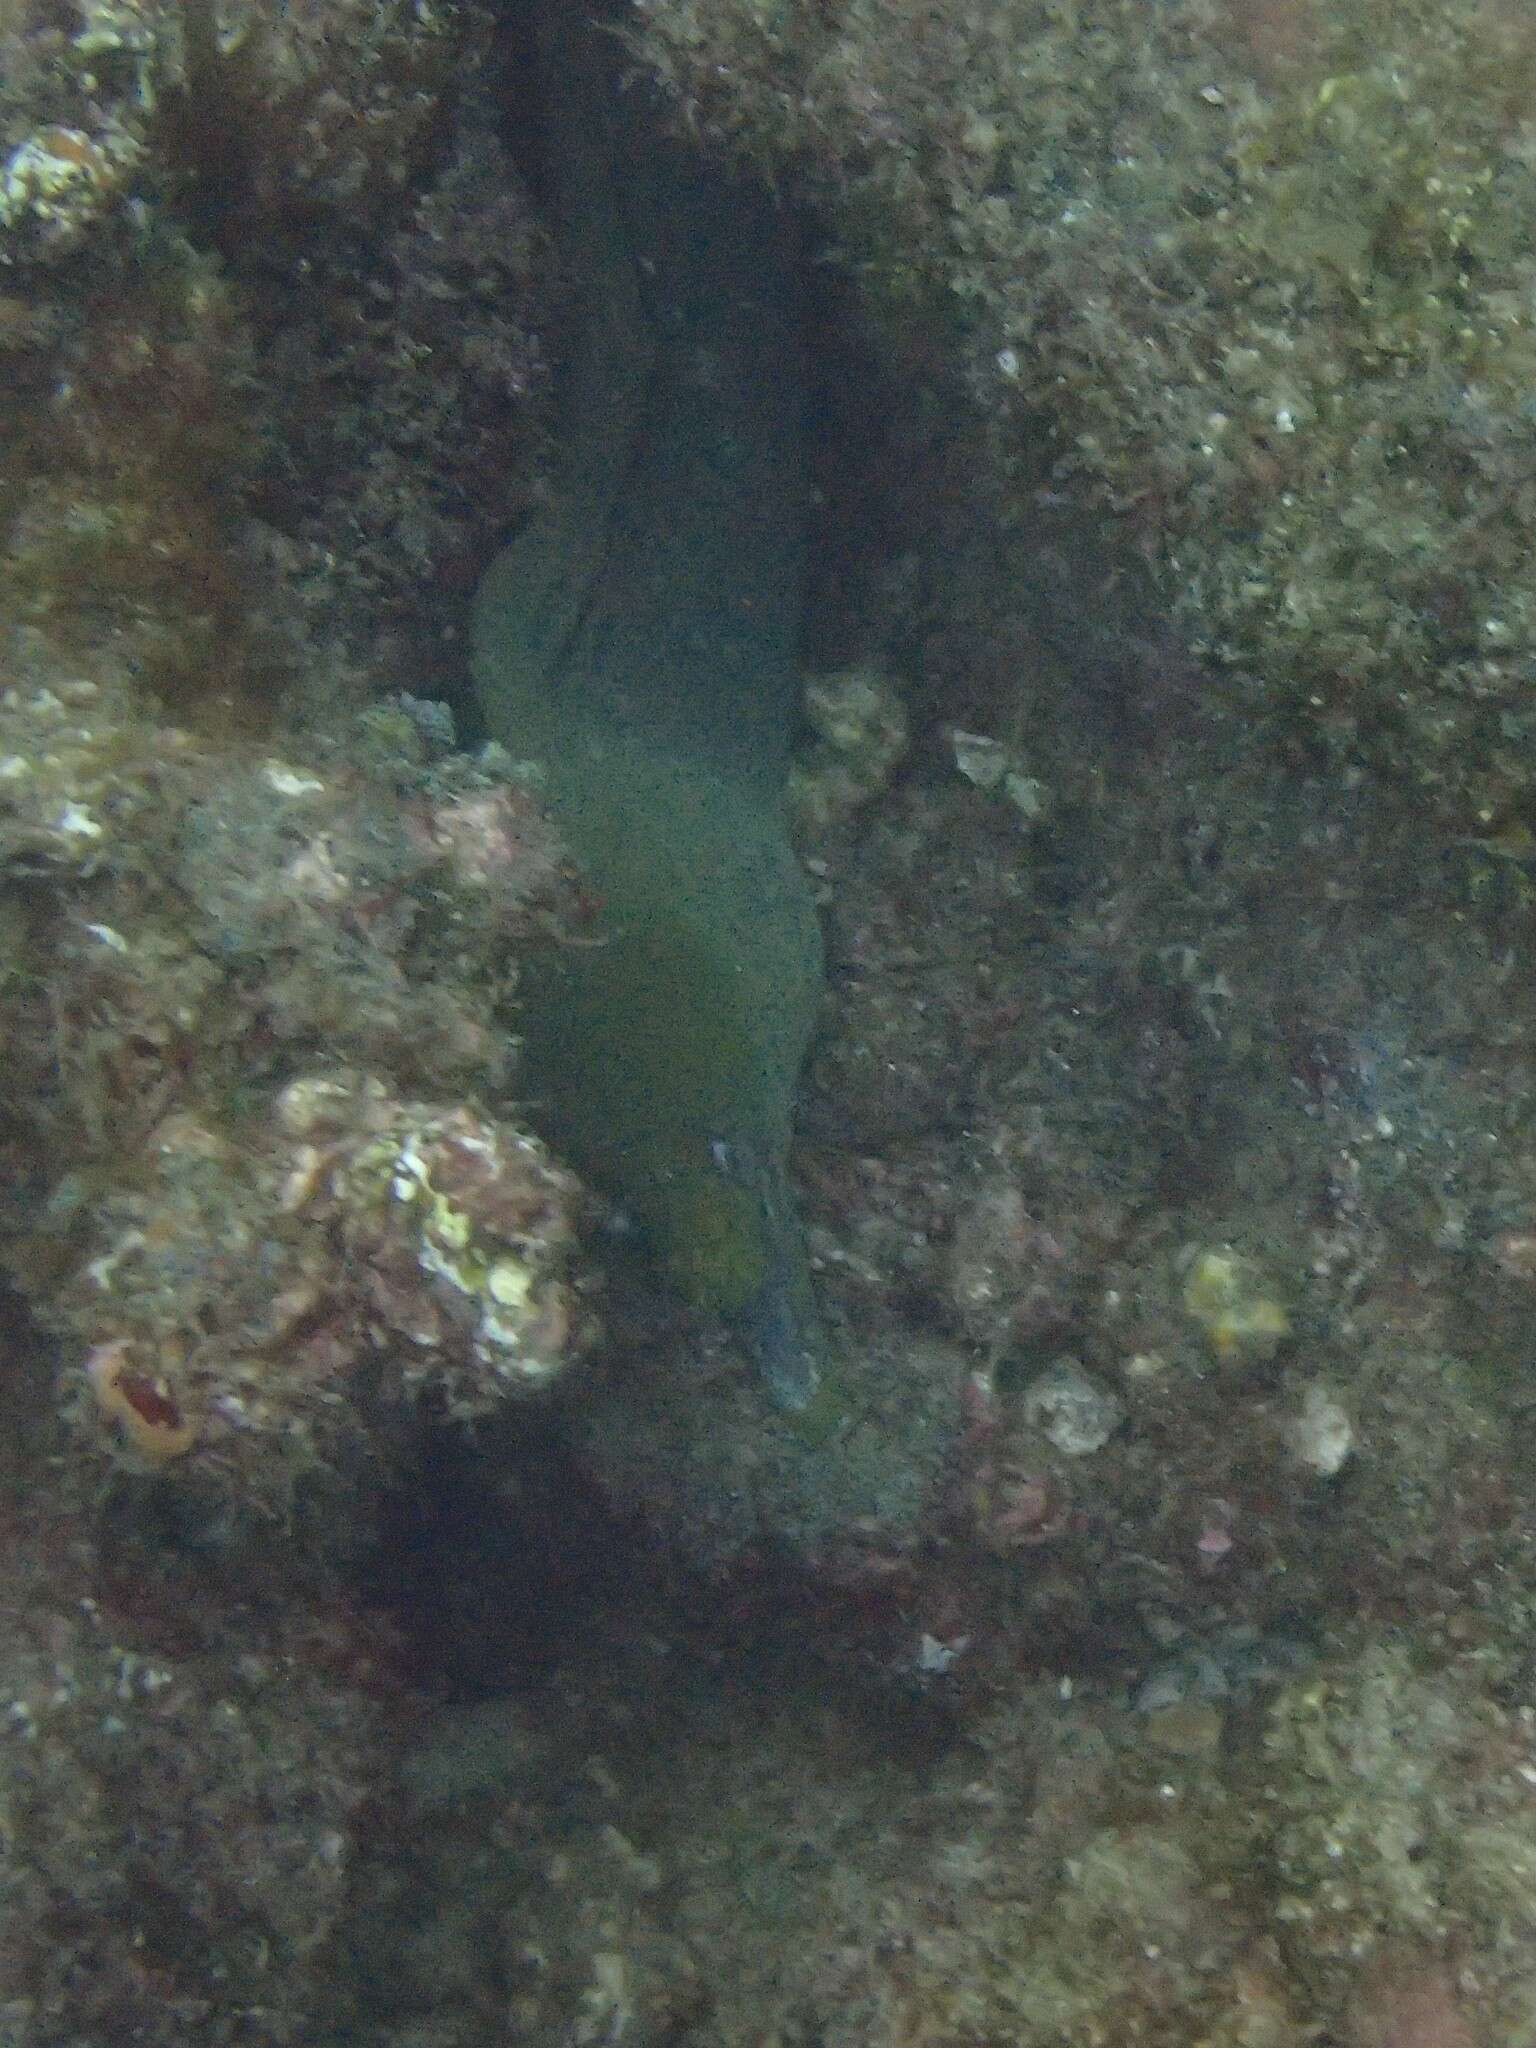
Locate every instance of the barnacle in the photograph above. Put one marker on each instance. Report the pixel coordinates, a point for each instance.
(137, 1407)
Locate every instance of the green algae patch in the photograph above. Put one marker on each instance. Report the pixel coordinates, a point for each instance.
(638, 641)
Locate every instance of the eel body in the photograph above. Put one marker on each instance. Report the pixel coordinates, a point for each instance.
(638, 640)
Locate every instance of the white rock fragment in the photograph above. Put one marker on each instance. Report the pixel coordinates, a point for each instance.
(1320, 1436)
(76, 822)
(1027, 794)
(1076, 1414)
(291, 781)
(982, 761)
(990, 766)
(935, 1657)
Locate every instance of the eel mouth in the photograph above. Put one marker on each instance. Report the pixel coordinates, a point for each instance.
(783, 1344)
(775, 1314)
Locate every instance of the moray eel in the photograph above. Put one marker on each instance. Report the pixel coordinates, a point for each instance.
(638, 641)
